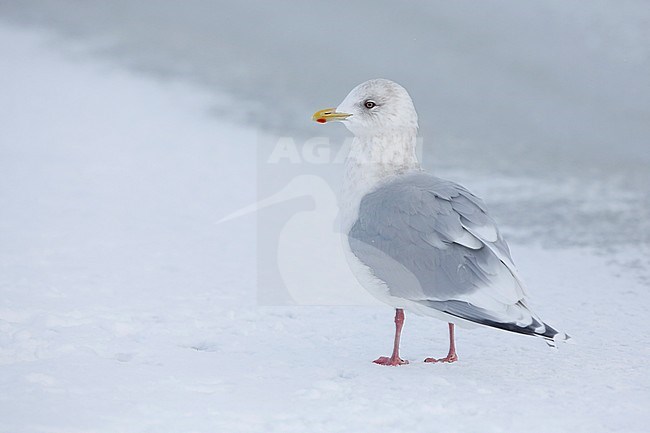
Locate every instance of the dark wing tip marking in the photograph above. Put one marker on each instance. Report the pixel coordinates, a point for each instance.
(462, 310)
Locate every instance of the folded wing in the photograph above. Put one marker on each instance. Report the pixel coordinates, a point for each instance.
(432, 242)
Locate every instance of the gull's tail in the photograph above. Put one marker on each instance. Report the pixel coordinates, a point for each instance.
(516, 318)
(537, 328)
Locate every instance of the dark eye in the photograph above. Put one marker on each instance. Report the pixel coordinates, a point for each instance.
(369, 104)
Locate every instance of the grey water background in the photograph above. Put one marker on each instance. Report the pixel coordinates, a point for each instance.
(553, 95)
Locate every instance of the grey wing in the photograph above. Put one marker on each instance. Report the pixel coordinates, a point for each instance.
(433, 242)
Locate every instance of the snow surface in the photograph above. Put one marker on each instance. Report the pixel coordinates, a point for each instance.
(126, 308)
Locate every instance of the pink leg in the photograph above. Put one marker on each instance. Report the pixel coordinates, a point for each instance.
(394, 358)
(451, 356)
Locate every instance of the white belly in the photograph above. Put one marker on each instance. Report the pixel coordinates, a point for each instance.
(378, 289)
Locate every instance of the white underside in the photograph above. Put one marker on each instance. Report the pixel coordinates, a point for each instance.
(380, 291)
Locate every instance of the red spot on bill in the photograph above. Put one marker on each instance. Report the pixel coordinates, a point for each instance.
(321, 120)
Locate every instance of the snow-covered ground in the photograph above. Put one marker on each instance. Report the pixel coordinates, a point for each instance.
(124, 307)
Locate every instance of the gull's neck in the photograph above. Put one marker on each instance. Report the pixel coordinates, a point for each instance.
(372, 161)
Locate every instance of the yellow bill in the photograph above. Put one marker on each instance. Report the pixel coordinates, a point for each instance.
(329, 115)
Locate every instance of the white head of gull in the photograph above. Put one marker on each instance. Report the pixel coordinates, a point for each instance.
(415, 241)
(381, 115)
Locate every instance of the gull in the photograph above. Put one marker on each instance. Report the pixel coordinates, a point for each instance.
(415, 241)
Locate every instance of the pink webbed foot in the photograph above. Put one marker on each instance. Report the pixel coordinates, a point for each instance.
(452, 357)
(385, 360)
